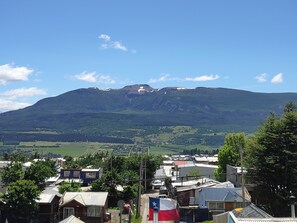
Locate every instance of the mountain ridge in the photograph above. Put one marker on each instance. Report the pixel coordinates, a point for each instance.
(93, 109)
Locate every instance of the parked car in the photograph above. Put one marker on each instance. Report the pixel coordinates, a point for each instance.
(156, 184)
(163, 190)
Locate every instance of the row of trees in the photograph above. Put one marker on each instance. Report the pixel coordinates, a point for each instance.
(269, 157)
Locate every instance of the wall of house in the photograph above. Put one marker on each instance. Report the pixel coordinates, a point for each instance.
(232, 176)
(49, 213)
(63, 174)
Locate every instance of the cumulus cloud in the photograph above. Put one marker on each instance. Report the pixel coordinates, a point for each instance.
(163, 78)
(9, 73)
(261, 78)
(8, 105)
(277, 79)
(117, 45)
(24, 93)
(104, 37)
(88, 77)
(203, 78)
(110, 44)
(95, 78)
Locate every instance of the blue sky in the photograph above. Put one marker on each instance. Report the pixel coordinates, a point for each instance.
(50, 47)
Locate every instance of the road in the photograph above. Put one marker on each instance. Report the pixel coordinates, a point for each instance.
(144, 209)
(145, 204)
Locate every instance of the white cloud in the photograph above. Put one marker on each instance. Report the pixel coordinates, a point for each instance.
(88, 77)
(163, 78)
(277, 79)
(95, 78)
(8, 73)
(109, 44)
(23, 93)
(261, 78)
(203, 78)
(117, 45)
(8, 105)
(104, 37)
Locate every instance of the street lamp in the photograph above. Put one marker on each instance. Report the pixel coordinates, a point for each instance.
(292, 203)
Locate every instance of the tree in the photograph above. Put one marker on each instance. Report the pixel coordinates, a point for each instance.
(130, 192)
(108, 183)
(20, 200)
(69, 187)
(271, 160)
(230, 153)
(39, 171)
(12, 173)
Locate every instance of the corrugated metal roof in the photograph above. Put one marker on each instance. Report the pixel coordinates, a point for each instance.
(251, 211)
(261, 220)
(47, 196)
(221, 194)
(183, 162)
(267, 220)
(86, 198)
(71, 219)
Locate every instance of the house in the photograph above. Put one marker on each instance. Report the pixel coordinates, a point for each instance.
(184, 170)
(71, 219)
(251, 211)
(83, 176)
(186, 191)
(233, 219)
(234, 175)
(212, 160)
(48, 206)
(89, 175)
(186, 194)
(219, 200)
(89, 207)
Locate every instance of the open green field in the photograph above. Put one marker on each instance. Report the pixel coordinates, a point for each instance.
(74, 149)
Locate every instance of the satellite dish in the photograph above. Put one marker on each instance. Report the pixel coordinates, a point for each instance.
(121, 203)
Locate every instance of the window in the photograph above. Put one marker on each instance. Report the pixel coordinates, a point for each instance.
(93, 211)
(91, 175)
(76, 174)
(212, 205)
(67, 212)
(66, 173)
(238, 205)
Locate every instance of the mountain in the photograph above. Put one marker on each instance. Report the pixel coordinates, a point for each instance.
(118, 112)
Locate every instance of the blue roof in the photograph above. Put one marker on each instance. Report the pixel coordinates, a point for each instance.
(219, 194)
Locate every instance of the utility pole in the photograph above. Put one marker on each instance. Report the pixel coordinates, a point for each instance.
(139, 189)
(242, 177)
(144, 174)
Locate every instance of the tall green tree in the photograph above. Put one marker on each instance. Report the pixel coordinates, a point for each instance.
(11, 173)
(108, 183)
(39, 171)
(230, 153)
(271, 159)
(20, 200)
